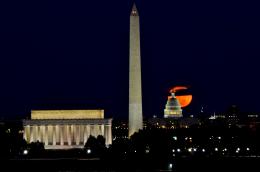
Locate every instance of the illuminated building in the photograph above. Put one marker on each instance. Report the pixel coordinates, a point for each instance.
(173, 107)
(135, 86)
(232, 115)
(63, 129)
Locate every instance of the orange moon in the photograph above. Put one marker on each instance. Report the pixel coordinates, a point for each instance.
(184, 100)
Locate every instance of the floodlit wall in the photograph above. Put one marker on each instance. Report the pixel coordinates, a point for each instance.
(67, 114)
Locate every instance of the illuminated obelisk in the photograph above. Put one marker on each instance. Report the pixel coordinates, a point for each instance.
(135, 85)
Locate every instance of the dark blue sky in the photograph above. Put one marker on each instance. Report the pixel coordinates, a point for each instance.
(74, 54)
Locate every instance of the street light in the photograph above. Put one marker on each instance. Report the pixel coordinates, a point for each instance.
(170, 166)
(25, 152)
(88, 151)
(190, 149)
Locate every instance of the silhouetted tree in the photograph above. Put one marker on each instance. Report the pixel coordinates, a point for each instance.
(36, 148)
(4, 144)
(96, 145)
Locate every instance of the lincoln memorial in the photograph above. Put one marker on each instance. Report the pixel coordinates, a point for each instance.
(65, 129)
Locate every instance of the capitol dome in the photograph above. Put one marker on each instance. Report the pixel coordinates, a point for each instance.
(173, 107)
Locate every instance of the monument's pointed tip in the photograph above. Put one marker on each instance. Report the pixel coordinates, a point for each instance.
(134, 11)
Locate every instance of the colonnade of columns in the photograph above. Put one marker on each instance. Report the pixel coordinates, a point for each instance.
(55, 135)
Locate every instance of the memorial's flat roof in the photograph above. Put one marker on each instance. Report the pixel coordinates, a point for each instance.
(68, 122)
(67, 114)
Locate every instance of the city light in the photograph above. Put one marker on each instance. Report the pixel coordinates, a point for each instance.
(203, 150)
(170, 166)
(173, 150)
(216, 149)
(248, 149)
(190, 149)
(88, 151)
(178, 150)
(174, 138)
(25, 152)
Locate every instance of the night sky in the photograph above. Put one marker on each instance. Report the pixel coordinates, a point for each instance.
(74, 55)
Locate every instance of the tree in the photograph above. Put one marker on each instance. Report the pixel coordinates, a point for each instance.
(96, 145)
(36, 148)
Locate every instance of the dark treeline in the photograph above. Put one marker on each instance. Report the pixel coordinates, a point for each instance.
(151, 148)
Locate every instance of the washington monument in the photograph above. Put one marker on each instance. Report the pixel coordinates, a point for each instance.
(135, 85)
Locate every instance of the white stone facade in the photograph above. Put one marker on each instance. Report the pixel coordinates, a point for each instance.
(135, 81)
(66, 133)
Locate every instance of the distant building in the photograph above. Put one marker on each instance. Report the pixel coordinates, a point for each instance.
(218, 116)
(172, 123)
(63, 129)
(173, 107)
(233, 115)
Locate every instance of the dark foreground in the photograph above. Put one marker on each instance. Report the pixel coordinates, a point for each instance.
(95, 165)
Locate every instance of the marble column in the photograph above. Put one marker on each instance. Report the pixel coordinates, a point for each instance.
(24, 133)
(27, 133)
(65, 134)
(69, 134)
(54, 135)
(41, 133)
(45, 134)
(108, 134)
(31, 134)
(102, 130)
(77, 132)
(57, 134)
(50, 134)
(61, 135)
(37, 133)
(86, 133)
(82, 129)
(35, 127)
(72, 134)
(92, 132)
(97, 130)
